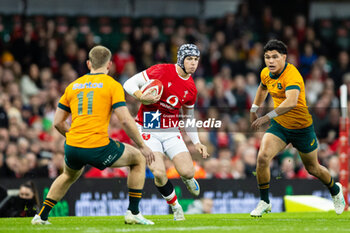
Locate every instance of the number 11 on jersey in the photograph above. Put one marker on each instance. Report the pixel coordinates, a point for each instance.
(90, 96)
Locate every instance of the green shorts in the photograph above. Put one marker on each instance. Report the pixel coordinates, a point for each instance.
(303, 139)
(100, 157)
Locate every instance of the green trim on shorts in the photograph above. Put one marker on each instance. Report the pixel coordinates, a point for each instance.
(100, 157)
(304, 140)
(64, 107)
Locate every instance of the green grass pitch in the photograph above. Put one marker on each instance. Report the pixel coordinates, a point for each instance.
(218, 223)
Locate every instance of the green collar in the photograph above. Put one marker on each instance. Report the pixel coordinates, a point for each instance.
(94, 73)
(274, 76)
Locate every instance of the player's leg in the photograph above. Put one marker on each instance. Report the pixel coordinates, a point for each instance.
(165, 187)
(306, 142)
(271, 145)
(154, 141)
(312, 165)
(57, 190)
(133, 158)
(184, 166)
(177, 151)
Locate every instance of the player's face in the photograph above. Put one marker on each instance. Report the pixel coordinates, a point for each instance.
(191, 64)
(275, 61)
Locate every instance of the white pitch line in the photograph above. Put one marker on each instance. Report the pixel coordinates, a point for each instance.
(226, 228)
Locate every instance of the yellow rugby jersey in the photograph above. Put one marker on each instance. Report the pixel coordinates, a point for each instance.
(290, 78)
(90, 99)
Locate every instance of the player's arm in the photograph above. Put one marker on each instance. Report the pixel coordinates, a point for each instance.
(288, 104)
(192, 132)
(260, 97)
(132, 87)
(129, 126)
(60, 121)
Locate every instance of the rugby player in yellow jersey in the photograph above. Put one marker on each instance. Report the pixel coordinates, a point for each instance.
(290, 123)
(90, 100)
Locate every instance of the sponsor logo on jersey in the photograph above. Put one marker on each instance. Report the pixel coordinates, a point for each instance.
(279, 86)
(172, 100)
(169, 84)
(87, 85)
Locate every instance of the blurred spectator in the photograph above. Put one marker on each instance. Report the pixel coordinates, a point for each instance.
(123, 56)
(307, 59)
(340, 68)
(225, 170)
(333, 166)
(50, 170)
(211, 167)
(26, 204)
(249, 157)
(238, 167)
(287, 168)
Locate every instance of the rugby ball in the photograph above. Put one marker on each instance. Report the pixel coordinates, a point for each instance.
(154, 86)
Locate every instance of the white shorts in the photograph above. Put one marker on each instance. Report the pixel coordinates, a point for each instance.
(166, 141)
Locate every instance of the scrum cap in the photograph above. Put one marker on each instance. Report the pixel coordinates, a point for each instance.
(184, 51)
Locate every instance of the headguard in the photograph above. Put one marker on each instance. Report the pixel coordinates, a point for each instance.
(184, 51)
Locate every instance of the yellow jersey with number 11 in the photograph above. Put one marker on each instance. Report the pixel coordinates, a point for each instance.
(290, 78)
(90, 99)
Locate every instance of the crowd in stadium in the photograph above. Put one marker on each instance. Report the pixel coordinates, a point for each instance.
(40, 56)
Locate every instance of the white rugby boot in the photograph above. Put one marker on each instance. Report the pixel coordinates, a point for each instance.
(38, 221)
(136, 219)
(192, 186)
(338, 200)
(261, 208)
(178, 212)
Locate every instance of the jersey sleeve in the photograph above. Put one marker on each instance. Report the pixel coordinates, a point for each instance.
(262, 78)
(64, 102)
(192, 101)
(294, 82)
(154, 72)
(118, 95)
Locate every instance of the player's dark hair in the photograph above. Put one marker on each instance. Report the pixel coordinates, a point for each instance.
(277, 45)
(99, 56)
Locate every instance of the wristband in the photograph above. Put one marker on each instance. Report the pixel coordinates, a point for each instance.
(254, 108)
(272, 114)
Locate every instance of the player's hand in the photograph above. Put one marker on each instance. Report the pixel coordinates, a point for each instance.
(148, 153)
(260, 122)
(202, 149)
(148, 98)
(253, 117)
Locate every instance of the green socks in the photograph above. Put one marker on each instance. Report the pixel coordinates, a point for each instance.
(264, 192)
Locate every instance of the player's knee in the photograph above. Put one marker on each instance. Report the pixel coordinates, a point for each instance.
(263, 160)
(139, 158)
(158, 173)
